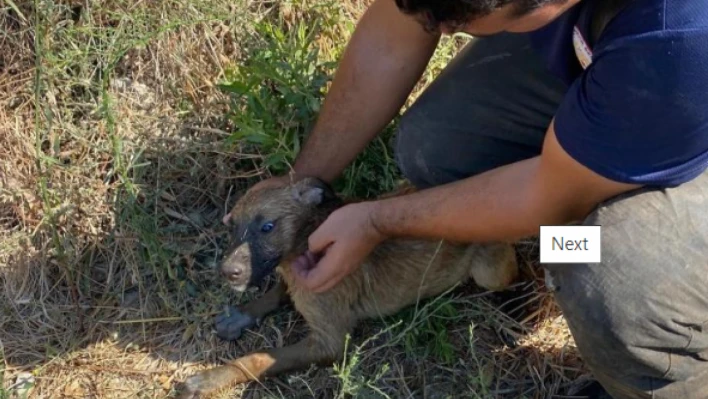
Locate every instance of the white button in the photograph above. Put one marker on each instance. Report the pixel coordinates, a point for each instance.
(570, 244)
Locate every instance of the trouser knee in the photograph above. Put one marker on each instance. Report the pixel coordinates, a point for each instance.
(412, 155)
(429, 153)
(640, 317)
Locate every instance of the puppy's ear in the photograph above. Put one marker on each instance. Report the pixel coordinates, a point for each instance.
(313, 192)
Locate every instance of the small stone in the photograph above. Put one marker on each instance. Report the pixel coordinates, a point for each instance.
(74, 389)
(23, 384)
(14, 102)
(164, 382)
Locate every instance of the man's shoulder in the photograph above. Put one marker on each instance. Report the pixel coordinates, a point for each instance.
(656, 20)
(685, 15)
(660, 41)
(636, 112)
(649, 29)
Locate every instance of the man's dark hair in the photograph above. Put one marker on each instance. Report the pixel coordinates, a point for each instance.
(455, 13)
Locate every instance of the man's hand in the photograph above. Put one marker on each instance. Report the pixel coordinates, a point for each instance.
(344, 240)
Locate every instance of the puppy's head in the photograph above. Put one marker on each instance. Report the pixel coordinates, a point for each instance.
(272, 225)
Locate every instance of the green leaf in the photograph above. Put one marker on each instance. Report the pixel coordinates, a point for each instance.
(234, 87)
(314, 104)
(274, 159)
(17, 10)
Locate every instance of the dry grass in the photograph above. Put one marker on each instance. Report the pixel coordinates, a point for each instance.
(115, 169)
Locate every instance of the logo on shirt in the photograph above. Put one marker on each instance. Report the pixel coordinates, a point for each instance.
(582, 50)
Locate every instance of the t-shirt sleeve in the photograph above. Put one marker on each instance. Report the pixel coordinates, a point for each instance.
(639, 112)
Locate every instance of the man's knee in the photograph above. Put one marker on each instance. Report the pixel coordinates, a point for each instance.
(640, 317)
(607, 329)
(431, 151)
(416, 153)
(468, 120)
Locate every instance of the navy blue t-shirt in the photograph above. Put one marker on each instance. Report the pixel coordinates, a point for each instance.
(637, 106)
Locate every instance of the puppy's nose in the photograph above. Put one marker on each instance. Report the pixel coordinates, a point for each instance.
(235, 274)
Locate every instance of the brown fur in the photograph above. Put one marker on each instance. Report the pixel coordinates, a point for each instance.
(398, 273)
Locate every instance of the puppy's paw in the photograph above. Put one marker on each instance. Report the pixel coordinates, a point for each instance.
(206, 382)
(231, 323)
(191, 388)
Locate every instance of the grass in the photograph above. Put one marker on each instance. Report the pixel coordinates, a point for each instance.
(127, 130)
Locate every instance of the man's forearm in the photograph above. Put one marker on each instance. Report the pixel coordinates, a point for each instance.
(503, 204)
(383, 61)
(495, 206)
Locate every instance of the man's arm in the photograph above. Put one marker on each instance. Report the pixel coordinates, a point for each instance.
(383, 61)
(504, 204)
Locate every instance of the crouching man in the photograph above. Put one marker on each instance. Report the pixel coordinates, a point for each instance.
(559, 111)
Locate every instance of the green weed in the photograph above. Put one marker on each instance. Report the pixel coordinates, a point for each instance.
(481, 381)
(429, 335)
(354, 382)
(276, 95)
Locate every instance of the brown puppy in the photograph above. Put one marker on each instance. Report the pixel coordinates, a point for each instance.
(271, 228)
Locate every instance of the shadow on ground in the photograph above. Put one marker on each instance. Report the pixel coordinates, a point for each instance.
(135, 317)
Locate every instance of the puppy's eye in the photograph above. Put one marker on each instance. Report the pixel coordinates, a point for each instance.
(267, 227)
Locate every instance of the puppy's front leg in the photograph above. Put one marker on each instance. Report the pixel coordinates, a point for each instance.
(231, 323)
(262, 364)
